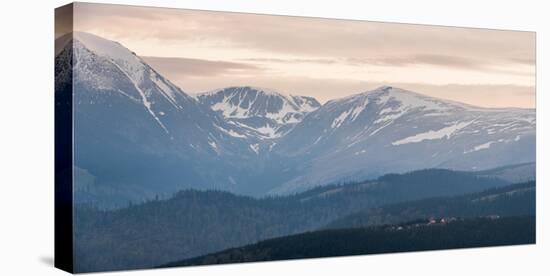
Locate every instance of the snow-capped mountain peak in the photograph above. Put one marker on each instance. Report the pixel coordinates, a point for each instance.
(391, 103)
(403, 99)
(248, 101)
(391, 129)
(106, 74)
(128, 62)
(112, 50)
(263, 112)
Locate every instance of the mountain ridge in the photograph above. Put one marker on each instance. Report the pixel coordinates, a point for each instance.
(364, 132)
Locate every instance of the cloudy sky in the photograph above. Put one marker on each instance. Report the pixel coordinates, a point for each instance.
(324, 58)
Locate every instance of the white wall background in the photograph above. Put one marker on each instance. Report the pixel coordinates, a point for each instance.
(26, 137)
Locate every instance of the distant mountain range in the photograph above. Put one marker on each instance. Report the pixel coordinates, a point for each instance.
(138, 136)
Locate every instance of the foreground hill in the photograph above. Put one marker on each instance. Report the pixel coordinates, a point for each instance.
(416, 236)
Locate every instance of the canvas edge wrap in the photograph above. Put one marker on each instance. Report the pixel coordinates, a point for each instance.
(65, 247)
(64, 240)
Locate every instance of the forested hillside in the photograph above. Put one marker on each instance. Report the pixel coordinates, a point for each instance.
(192, 223)
(513, 200)
(417, 236)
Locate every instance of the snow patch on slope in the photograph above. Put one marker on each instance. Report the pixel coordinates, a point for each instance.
(268, 131)
(255, 148)
(340, 119)
(358, 109)
(481, 147)
(168, 91)
(230, 111)
(230, 132)
(488, 144)
(144, 99)
(446, 132)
